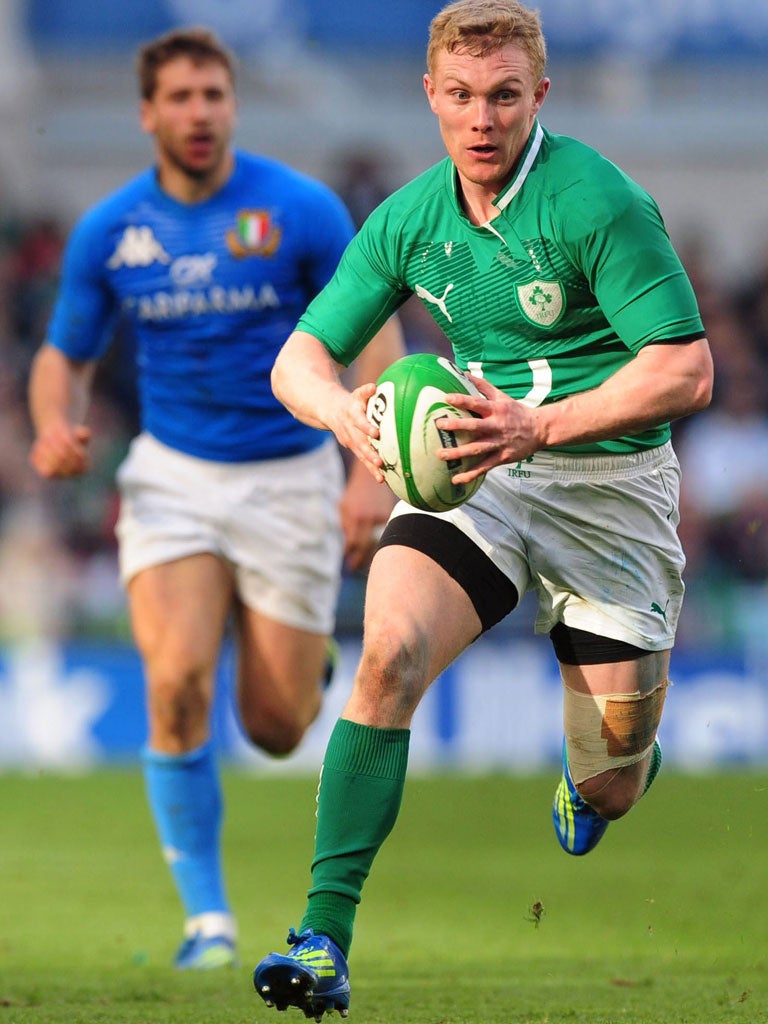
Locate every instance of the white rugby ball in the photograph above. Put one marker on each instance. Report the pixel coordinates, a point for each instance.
(409, 399)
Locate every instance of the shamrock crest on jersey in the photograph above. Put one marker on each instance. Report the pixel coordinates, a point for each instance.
(541, 302)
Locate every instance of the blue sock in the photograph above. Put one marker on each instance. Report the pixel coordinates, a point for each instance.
(185, 799)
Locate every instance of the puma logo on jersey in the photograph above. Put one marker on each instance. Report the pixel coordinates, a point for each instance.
(656, 607)
(137, 248)
(440, 303)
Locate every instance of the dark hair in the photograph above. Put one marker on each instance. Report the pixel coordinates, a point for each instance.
(201, 45)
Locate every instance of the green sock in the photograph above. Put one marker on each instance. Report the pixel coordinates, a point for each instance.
(361, 788)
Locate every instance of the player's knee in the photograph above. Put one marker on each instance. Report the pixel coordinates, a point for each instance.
(392, 673)
(278, 730)
(178, 701)
(615, 792)
(275, 739)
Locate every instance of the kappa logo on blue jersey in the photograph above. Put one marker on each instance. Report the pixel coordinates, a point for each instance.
(254, 234)
(137, 248)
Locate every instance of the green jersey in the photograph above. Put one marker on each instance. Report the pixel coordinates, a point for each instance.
(561, 289)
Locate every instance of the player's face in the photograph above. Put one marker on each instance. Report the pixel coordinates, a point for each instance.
(192, 116)
(486, 107)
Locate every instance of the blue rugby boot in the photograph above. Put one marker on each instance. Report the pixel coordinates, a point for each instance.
(313, 976)
(578, 827)
(198, 953)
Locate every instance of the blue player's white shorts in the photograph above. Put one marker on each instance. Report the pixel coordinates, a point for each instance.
(275, 522)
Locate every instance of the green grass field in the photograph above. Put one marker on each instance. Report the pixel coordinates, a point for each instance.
(472, 915)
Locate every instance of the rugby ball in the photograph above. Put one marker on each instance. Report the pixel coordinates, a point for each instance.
(409, 399)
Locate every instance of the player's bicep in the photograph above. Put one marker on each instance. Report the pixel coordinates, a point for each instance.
(85, 313)
(354, 305)
(638, 279)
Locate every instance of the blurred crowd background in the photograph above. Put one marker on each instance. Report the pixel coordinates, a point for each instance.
(673, 92)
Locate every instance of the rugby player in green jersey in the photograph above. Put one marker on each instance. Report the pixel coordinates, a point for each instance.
(553, 276)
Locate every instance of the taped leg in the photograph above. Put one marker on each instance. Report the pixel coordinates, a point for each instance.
(605, 732)
(609, 782)
(613, 699)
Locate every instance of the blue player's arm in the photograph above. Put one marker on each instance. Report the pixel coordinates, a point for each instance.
(59, 389)
(63, 369)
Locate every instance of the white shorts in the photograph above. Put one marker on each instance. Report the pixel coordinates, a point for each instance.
(276, 522)
(594, 535)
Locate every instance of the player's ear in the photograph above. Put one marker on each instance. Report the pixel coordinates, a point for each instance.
(429, 89)
(540, 92)
(147, 117)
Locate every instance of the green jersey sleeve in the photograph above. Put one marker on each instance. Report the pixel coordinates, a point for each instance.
(623, 249)
(363, 293)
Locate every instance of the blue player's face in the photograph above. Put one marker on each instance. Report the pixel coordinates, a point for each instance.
(486, 107)
(192, 116)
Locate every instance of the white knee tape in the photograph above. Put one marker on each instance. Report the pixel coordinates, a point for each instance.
(608, 731)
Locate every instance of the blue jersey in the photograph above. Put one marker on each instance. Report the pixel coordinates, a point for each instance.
(211, 291)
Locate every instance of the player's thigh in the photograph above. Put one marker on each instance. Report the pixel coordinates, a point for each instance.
(640, 675)
(179, 611)
(279, 665)
(418, 619)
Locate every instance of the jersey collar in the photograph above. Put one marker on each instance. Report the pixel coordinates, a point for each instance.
(508, 193)
(531, 151)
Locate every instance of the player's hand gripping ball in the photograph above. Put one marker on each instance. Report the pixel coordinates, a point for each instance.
(409, 399)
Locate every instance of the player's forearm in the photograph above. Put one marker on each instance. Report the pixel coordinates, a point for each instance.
(59, 389)
(662, 384)
(306, 380)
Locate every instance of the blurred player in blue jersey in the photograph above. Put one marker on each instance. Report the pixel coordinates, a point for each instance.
(232, 510)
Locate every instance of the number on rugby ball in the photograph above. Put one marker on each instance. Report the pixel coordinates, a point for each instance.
(409, 399)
